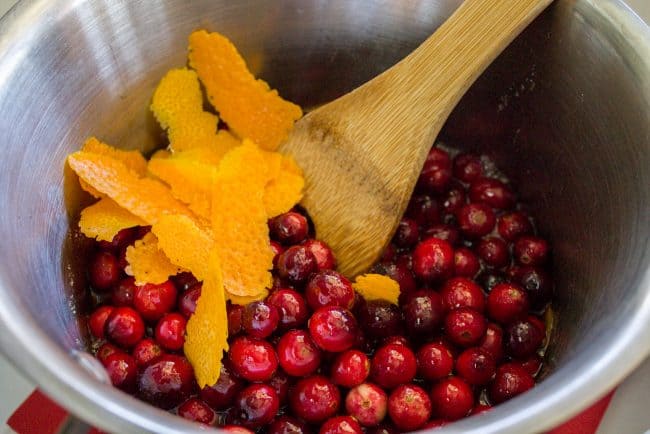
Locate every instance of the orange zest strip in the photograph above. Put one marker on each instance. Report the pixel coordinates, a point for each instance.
(104, 219)
(377, 287)
(131, 159)
(147, 263)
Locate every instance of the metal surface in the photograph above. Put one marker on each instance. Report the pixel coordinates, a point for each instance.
(565, 110)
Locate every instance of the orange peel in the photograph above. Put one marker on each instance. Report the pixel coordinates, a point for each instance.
(147, 263)
(377, 287)
(104, 219)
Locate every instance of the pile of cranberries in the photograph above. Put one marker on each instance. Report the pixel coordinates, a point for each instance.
(315, 356)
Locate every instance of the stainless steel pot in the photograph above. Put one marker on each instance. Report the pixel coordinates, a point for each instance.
(565, 110)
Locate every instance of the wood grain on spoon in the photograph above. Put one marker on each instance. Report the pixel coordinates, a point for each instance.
(363, 152)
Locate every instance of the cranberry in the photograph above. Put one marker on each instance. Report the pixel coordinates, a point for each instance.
(187, 301)
(401, 340)
(235, 313)
(511, 380)
(523, 339)
(298, 354)
(436, 423)
(104, 271)
(492, 342)
(341, 425)
(198, 411)
(512, 225)
(476, 366)
(424, 210)
(462, 292)
(468, 167)
(466, 263)
(443, 232)
(260, 319)
(315, 399)
(145, 352)
(288, 425)
(184, 281)
(507, 303)
(454, 200)
(97, 320)
(537, 284)
(393, 365)
(291, 306)
(423, 312)
(529, 250)
(124, 326)
(155, 300)
(465, 327)
(433, 260)
(121, 240)
(221, 394)
(435, 361)
(399, 273)
(236, 429)
(122, 370)
(389, 254)
(289, 228)
(333, 328)
(409, 407)
(350, 368)
(257, 405)
(492, 192)
(170, 331)
(493, 251)
(452, 398)
(124, 292)
(325, 259)
(367, 403)
(407, 233)
(405, 260)
(277, 250)
(167, 382)
(436, 173)
(296, 264)
(476, 220)
(106, 350)
(379, 318)
(382, 429)
(488, 279)
(539, 323)
(253, 359)
(532, 364)
(281, 383)
(329, 288)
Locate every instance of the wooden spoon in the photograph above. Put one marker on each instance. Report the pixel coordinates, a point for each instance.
(363, 152)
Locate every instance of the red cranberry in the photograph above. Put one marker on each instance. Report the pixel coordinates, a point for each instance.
(187, 301)
(341, 425)
(121, 240)
(436, 423)
(329, 288)
(436, 173)
(468, 167)
(452, 398)
(253, 359)
(512, 225)
(529, 250)
(532, 364)
(124, 326)
(407, 233)
(405, 260)
(235, 313)
(236, 429)
(382, 429)
(277, 250)
(539, 323)
(462, 292)
(537, 284)
(104, 271)
(399, 273)
(257, 405)
(170, 331)
(379, 318)
(350, 368)
(198, 411)
(492, 192)
(466, 263)
(145, 352)
(393, 365)
(325, 259)
(281, 383)
(296, 264)
(288, 425)
(465, 327)
(476, 219)
(507, 303)
(298, 354)
(167, 382)
(433, 260)
(291, 306)
(488, 279)
(106, 350)
(389, 254)
(289, 228)
(124, 292)
(443, 232)
(401, 340)
(367, 403)
(492, 342)
(155, 300)
(184, 281)
(333, 328)
(435, 361)
(122, 370)
(511, 380)
(454, 200)
(221, 394)
(409, 407)
(142, 231)
(424, 210)
(260, 319)
(523, 339)
(97, 320)
(315, 399)
(423, 312)
(476, 366)
(493, 251)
